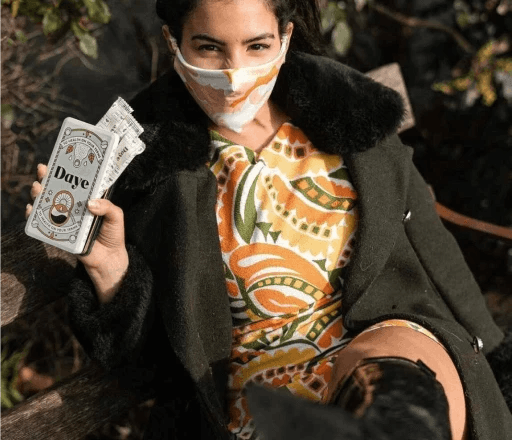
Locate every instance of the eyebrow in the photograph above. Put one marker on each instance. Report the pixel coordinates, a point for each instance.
(206, 37)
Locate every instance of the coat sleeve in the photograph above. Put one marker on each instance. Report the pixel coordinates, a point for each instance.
(126, 336)
(113, 333)
(443, 260)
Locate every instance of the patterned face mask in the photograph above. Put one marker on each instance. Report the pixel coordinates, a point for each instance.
(230, 97)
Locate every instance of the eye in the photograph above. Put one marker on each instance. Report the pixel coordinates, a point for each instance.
(208, 48)
(259, 46)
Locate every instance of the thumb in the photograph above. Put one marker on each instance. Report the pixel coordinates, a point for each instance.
(104, 207)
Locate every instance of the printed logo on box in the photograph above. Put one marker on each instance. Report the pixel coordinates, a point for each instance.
(61, 208)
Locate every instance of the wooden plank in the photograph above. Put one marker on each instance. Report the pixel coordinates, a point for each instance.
(70, 409)
(33, 274)
(391, 76)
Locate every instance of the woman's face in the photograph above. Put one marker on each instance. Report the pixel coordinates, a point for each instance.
(227, 34)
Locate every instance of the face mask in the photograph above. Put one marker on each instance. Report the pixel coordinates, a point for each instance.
(230, 97)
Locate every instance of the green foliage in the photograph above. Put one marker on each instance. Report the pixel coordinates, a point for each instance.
(7, 113)
(463, 14)
(88, 44)
(20, 36)
(98, 11)
(479, 80)
(59, 16)
(10, 395)
(332, 13)
(342, 37)
(335, 21)
(52, 21)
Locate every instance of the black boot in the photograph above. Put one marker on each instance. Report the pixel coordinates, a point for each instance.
(381, 399)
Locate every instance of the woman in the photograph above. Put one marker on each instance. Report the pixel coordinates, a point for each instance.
(278, 233)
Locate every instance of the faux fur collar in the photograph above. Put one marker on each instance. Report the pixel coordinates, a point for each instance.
(341, 111)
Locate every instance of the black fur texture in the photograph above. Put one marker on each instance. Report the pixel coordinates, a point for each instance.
(125, 310)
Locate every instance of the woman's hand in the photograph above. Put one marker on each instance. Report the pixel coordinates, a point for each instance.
(107, 262)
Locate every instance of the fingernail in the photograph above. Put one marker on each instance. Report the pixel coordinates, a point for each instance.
(28, 206)
(93, 203)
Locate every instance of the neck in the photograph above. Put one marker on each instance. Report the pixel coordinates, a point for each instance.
(266, 118)
(260, 131)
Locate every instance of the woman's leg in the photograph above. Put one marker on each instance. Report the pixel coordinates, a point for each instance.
(410, 344)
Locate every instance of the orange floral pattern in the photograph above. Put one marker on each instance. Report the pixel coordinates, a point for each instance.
(287, 220)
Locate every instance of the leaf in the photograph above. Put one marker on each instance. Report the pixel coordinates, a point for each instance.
(15, 7)
(463, 19)
(342, 37)
(7, 113)
(6, 401)
(89, 46)
(463, 83)
(10, 395)
(486, 88)
(504, 64)
(360, 4)
(52, 21)
(15, 359)
(3, 354)
(20, 36)
(332, 14)
(98, 11)
(78, 30)
(34, 9)
(443, 87)
(41, 9)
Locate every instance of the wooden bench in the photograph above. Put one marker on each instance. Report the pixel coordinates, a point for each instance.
(34, 275)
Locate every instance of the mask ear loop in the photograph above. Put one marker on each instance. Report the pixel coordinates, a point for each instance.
(174, 44)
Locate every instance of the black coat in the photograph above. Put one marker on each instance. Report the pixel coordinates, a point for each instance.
(169, 326)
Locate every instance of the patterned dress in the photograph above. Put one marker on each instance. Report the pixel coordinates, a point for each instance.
(287, 219)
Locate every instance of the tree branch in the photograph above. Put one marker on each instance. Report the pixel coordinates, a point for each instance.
(418, 22)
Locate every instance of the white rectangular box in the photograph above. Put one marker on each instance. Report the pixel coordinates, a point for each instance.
(75, 170)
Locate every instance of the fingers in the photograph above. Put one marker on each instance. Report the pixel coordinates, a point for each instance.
(36, 187)
(35, 190)
(41, 171)
(28, 210)
(112, 213)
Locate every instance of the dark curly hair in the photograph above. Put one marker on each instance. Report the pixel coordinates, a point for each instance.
(304, 14)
